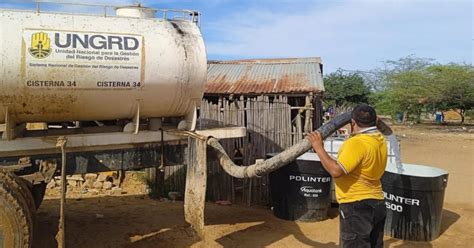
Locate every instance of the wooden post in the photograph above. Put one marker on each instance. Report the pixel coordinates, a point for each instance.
(317, 111)
(299, 127)
(196, 182)
(308, 114)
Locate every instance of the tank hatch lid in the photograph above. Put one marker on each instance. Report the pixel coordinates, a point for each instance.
(135, 11)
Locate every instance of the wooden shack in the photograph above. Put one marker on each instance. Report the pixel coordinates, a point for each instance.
(278, 100)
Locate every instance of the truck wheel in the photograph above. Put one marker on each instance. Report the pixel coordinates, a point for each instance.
(26, 191)
(16, 219)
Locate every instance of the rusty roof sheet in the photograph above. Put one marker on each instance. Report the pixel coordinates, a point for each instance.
(264, 76)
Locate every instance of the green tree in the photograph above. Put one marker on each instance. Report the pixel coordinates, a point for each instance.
(409, 63)
(345, 89)
(407, 92)
(416, 85)
(403, 87)
(452, 87)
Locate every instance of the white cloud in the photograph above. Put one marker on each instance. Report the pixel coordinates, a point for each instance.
(350, 34)
(82, 8)
(355, 34)
(72, 6)
(111, 2)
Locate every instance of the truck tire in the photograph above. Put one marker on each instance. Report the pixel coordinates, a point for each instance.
(26, 191)
(16, 218)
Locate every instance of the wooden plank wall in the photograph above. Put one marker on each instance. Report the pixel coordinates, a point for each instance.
(272, 125)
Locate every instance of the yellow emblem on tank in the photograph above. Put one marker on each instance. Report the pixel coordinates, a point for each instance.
(40, 45)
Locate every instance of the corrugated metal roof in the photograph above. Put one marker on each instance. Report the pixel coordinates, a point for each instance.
(264, 76)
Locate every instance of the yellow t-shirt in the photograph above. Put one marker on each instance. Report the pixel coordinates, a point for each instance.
(363, 158)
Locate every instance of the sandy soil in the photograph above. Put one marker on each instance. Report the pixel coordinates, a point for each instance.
(137, 221)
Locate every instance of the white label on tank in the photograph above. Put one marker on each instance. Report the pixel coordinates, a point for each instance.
(310, 179)
(85, 60)
(310, 191)
(395, 202)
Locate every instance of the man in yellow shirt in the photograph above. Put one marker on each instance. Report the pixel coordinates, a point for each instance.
(357, 171)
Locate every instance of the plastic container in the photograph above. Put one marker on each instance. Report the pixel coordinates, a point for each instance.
(301, 190)
(414, 199)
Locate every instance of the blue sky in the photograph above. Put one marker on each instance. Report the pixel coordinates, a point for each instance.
(354, 35)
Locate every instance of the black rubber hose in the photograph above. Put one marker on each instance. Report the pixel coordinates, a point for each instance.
(288, 155)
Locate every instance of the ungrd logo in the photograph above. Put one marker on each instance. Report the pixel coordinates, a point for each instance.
(40, 45)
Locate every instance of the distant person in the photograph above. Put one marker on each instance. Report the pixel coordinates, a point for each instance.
(331, 112)
(357, 171)
(327, 116)
(439, 117)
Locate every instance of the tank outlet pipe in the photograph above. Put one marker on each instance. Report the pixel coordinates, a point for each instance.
(285, 157)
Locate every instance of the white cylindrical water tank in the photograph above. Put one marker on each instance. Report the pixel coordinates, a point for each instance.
(63, 67)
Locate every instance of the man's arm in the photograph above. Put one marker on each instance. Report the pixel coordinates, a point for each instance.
(327, 161)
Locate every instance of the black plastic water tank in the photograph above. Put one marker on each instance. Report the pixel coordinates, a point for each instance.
(414, 198)
(301, 190)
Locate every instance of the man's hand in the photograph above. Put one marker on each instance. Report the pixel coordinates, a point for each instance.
(316, 140)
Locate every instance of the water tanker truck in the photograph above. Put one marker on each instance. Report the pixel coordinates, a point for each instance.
(105, 82)
(77, 88)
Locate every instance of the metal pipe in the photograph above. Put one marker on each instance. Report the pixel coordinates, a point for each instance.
(61, 235)
(162, 151)
(264, 167)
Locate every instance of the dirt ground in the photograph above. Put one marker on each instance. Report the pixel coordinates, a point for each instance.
(137, 221)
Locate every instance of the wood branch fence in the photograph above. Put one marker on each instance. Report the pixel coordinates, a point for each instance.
(273, 124)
